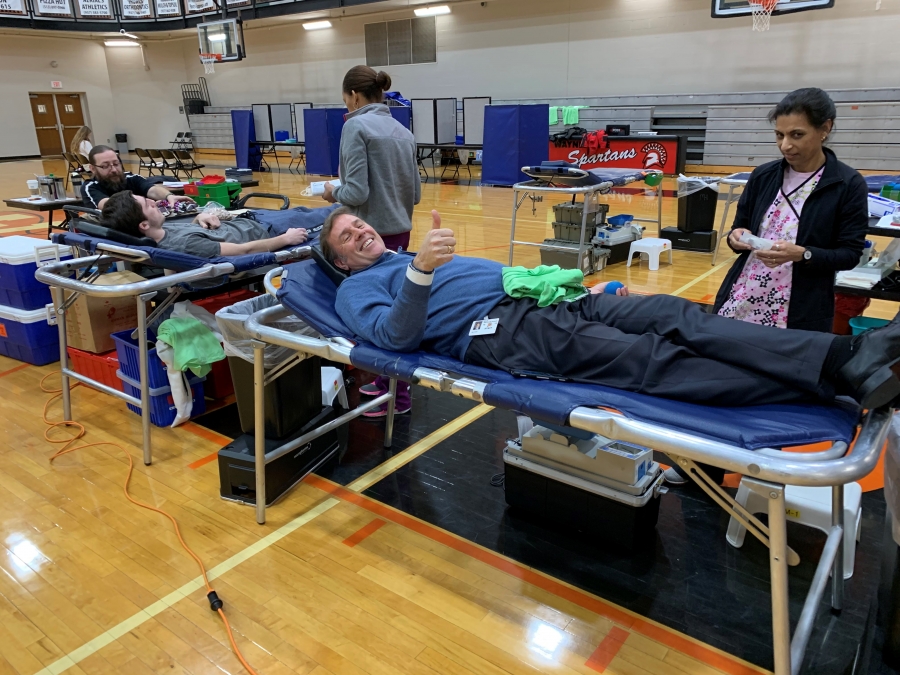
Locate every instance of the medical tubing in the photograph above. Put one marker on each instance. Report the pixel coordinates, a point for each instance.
(214, 602)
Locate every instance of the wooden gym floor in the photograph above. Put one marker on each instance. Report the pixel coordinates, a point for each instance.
(337, 581)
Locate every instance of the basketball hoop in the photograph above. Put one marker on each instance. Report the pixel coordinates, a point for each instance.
(762, 13)
(209, 62)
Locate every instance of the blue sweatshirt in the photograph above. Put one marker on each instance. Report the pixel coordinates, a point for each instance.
(401, 310)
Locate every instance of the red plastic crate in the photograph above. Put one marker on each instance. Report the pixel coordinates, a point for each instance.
(100, 367)
(216, 302)
(218, 383)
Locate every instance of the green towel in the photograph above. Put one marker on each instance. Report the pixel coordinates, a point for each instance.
(548, 284)
(195, 346)
(554, 115)
(570, 113)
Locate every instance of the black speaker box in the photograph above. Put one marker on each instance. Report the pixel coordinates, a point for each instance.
(704, 242)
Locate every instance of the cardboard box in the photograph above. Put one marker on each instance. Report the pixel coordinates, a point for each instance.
(91, 320)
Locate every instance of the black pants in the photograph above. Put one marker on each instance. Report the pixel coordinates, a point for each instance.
(658, 345)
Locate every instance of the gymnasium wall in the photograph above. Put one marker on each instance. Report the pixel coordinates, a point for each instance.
(146, 101)
(559, 48)
(26, 68)
(121, 94)
(507, 49)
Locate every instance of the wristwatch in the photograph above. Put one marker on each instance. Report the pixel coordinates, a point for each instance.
(807, 254)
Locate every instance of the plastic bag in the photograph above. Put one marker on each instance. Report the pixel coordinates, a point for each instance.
(688, 185)
(187, 308)
(892, 477)
(216, 209)
(231, 321)
(182, 397)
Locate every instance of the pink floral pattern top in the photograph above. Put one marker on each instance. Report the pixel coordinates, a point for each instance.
(761, 294)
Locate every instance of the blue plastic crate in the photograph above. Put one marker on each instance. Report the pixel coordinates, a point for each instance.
(129, 364)
(18, 262)
(28, 335)
(162, 407)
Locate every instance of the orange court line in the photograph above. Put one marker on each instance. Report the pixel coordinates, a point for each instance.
(364, 532)
(14, 370)
(606, 652)
(666, 636)
(207, 435)
(204, 461)
(707, 297)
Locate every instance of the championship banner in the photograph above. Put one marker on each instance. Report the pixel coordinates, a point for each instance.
(12, 6)
(168, 8)
(60, 7)
(136, 9)
(95, 8)
(623, 152)
(195, 6)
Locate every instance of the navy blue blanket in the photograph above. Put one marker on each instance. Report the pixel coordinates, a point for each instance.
(310, 294)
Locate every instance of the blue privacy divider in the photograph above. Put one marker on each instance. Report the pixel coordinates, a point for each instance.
(514, 136)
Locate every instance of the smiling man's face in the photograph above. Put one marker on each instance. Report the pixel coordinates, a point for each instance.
(356, 245)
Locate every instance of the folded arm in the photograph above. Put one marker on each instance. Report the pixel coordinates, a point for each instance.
(393, 323)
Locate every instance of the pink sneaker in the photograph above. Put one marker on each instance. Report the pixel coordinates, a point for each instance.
(372, 389)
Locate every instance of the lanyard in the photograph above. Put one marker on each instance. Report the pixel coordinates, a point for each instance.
(787, 196)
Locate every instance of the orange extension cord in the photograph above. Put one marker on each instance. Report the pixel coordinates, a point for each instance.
(214, 601)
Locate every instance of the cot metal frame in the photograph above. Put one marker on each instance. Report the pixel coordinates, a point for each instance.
(733, 184)
(69, 279)
(768, 472)
(535, 190)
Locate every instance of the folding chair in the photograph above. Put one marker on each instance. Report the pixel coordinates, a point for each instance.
(188, 165)
(74, 166)
(144, 161)
(156, 160)
(179, 137)
(171, 162)
(187, 141)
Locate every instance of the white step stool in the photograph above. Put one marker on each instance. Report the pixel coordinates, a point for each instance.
(810, 506)
(652, 249)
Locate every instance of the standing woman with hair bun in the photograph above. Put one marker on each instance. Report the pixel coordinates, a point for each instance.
(379, 179)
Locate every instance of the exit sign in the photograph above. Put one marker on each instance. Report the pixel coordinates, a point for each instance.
(56, 84)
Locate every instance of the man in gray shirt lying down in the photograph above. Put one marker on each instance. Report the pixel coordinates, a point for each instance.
(206, 236)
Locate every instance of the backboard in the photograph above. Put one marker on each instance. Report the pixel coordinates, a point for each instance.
(224, 37)
(722, 9)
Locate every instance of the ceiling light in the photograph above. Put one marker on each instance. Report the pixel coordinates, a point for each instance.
(433, 11)
(121, 43)
(317, 25)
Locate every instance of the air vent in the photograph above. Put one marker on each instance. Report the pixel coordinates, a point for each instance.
(396, 43)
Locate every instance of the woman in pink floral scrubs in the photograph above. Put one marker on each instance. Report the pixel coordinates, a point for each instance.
(813, 210)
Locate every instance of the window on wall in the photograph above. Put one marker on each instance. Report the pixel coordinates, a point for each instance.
(396, 43)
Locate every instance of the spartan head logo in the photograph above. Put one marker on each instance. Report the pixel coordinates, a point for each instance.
(655, 156)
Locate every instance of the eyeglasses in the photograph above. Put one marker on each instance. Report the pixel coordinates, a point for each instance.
(110, 165)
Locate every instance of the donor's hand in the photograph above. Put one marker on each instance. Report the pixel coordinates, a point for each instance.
(294, 236)
(438, 247)
(601, 288)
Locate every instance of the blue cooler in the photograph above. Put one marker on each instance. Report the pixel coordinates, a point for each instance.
(19, 259)
(28, 335)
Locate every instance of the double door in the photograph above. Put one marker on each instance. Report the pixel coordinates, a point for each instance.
(57, 117)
